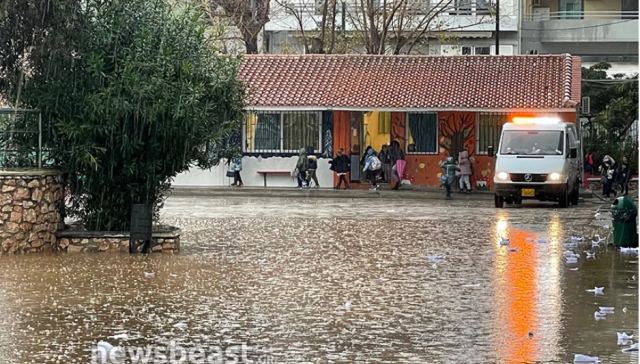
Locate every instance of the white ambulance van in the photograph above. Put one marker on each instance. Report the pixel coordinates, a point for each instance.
(537, 158)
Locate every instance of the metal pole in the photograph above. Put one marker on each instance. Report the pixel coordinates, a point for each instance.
(497, 27)
(39, 140)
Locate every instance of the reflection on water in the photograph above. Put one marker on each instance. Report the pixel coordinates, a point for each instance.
(333, 280)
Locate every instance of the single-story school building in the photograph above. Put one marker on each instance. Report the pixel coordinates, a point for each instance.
(433, 106)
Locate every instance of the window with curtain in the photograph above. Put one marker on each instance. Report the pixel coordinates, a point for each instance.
(422, 133)
(267, 132)
(384, 122)
(300, 130)
(488, 131)
(284, 132)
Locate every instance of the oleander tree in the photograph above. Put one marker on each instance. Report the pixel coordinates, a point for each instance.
(135, 94)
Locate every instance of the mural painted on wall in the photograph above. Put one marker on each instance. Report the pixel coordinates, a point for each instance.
(456, 133)
(398, 131)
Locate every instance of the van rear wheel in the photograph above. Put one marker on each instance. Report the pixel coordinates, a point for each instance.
(499, 201)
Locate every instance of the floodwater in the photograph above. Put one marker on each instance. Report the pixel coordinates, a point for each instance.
(324, 280)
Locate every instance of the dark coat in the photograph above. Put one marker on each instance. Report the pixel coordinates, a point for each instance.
(341, 164)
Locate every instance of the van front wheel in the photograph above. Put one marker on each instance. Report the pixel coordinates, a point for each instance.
(499, 201)
(564, 197)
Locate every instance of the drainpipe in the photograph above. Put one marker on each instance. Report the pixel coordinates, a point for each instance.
(497, 27)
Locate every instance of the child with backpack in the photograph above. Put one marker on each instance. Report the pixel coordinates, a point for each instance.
(372, 167)
(449, 169)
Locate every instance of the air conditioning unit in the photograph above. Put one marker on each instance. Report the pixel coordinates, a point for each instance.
(585, 107)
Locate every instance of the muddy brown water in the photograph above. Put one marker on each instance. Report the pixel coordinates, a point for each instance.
(332, 281)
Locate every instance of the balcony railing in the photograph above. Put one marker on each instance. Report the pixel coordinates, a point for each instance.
(572, 15)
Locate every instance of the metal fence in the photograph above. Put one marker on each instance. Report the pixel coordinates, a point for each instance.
(22, 139)
(595, 131)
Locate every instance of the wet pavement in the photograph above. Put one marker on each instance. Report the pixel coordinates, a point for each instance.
(334, 280)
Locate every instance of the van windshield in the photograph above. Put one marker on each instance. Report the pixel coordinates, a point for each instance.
(532, 142)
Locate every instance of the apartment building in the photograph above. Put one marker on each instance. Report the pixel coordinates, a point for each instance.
(596, 30)
(461, 27)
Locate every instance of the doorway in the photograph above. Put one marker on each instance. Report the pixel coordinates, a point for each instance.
(355, 134)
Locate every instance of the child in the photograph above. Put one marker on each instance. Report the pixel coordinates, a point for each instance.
(464, 164)
(311, 171)
(341, 165)
(372, 166)
(624, 175)
(448, 174)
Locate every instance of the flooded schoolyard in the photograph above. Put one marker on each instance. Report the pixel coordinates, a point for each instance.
(333, 280)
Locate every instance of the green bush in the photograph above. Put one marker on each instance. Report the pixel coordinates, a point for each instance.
(136, 95)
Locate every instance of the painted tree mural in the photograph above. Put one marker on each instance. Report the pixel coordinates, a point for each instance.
(456, 133)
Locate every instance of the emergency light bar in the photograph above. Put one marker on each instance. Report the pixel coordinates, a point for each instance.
(532, 120)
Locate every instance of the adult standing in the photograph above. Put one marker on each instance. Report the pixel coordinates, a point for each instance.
(386, 163)
(341, 165)
(624, 176)
(301, 168)
(608, 175)
(589, 167)
(397, 169)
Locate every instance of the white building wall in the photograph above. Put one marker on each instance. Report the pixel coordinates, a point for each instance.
(216, 177)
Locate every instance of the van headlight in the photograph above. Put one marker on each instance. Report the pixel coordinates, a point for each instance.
(554, 176)
(502, 176)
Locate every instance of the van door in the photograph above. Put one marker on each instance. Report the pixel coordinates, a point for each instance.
(573, 163)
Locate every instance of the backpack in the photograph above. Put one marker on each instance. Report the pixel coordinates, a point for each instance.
(375, 163)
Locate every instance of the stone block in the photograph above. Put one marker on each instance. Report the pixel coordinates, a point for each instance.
(30, 215)
(13, 227)
(7, 188)
(27, 204)
(34, 183)
(36, 195)
(74, 249)
(16, 217)
(21, 194)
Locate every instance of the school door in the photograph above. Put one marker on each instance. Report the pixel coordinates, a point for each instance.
(355, 139)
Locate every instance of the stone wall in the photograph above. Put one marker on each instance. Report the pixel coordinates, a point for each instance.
(73, 241)
(30, 204)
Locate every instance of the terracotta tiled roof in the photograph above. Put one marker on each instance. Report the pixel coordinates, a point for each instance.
(411, 82)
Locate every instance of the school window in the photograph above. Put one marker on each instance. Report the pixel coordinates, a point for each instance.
(422, 133)
(488, 131)
(286, 132)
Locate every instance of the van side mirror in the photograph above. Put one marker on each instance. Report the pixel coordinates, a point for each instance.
(490, 151)
(573, 153)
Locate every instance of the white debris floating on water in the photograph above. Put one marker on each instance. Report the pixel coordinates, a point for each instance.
(581, 358)
(596, 290)
(504, 241)
(149, 274)
(631, 348)
(624, 250)
(623, 338)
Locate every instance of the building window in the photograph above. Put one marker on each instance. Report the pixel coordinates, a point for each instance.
(483, 7)
(488, 131)
(286, 132)
(422, 133)
(483, 50)
(300, 130)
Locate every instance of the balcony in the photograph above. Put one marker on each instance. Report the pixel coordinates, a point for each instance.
(581, 26)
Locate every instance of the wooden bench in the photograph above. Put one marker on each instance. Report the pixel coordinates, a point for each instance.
(265, 172)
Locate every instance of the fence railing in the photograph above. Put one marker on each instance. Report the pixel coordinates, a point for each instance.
(572, 15)
(21, 139)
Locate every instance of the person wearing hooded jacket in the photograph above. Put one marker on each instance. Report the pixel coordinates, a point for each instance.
(464, 164)
(301, 168)
(608, 172)
(311, 171)
(372, 166)
(449, 169)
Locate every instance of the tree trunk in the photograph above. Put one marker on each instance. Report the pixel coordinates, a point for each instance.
(251, 42)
